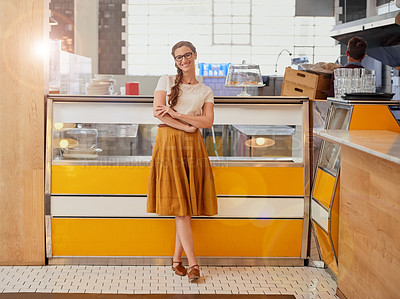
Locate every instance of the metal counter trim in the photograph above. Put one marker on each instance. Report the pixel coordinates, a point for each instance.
(363, 102)
(166, 261)
(144, 163)
(149, 99)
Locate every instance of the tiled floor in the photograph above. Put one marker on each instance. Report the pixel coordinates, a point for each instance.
(303, 282)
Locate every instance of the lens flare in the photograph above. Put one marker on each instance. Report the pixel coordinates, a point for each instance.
(64, 143)
(58, 126)
(260, 141)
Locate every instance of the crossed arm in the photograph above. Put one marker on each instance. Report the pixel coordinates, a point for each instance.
(174, 119)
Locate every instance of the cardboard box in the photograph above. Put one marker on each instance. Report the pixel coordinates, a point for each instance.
(301, 83)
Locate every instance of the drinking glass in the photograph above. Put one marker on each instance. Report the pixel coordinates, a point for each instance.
(356, 80)
(339, 82)
(369, 81)
(348, 75)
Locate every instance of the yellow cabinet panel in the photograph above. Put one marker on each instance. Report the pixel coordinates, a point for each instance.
(259, 180)
(373, 117)
(156, 237)
(324, 187)
(325, 246)
(74, 179)
(77, 179)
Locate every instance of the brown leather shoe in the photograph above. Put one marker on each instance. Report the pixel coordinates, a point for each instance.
(179, 270)
(194, 273)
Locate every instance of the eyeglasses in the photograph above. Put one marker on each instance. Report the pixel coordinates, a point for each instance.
(187, 55)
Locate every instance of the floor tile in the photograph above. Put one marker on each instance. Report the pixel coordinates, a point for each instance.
(303, 282)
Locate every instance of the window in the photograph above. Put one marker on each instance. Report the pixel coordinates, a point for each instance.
(225, 31)
(231, 22)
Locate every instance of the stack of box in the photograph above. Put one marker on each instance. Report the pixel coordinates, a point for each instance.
(302, 83)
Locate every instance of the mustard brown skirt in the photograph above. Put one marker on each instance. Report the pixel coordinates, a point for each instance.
(181, 181)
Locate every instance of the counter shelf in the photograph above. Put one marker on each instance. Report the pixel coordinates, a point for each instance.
(96, 205)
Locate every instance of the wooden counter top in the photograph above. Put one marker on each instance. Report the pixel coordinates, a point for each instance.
(379, 143)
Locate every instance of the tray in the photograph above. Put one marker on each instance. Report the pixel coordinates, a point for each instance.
(368, 96)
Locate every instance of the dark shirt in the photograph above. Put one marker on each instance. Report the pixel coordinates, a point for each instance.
(351, 65)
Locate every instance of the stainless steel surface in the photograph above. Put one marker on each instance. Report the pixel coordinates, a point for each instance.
(171, 217)
(333, 275)
(306, 159)
(217, 162)
(330, 233)
(49, 139)
(149, 99)
(264, 130)
(352, 102)
(339, 116)
(313, 231)
(382, 34)
(364, 24)
(316, 264)
(49, 249)
(319, 116)
(47, 179)
(166, 261)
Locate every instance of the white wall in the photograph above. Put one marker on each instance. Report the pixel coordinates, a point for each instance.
(87, 30)
(254, 30)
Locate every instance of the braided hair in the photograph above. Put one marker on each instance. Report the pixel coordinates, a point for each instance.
(175, 90)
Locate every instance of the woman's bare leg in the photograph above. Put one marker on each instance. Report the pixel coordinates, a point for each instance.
(178, 249)
(184, 230)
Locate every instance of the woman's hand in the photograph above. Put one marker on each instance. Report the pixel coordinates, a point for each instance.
(162, 110)
(191, 129)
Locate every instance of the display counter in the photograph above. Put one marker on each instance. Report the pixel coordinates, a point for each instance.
(364, 114)
(97, 163)
(369, 210)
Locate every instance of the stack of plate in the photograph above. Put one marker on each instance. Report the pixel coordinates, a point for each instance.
(101, 85)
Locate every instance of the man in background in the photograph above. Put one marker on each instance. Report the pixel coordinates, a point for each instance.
(356, 48)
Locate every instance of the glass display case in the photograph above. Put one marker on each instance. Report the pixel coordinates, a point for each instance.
(99, 151)
(361, 114)
(77, 141)
(338, 119)
(323, 204)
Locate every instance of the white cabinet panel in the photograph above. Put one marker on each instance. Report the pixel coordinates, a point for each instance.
(320, 215)
(236, 207)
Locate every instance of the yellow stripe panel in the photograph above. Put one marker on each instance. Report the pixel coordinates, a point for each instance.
(99, 179)
(373, 117)
(259, 180)
(325, 247)
(156, 237)
(323, 188)
(73, 179)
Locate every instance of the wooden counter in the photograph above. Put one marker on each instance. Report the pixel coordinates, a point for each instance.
(369, 229)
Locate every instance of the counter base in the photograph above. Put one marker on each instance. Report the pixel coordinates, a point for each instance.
(166, 261)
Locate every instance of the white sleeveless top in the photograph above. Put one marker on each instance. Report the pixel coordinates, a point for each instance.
(192, 97)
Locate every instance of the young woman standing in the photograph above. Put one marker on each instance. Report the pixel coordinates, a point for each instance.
(181, 182)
